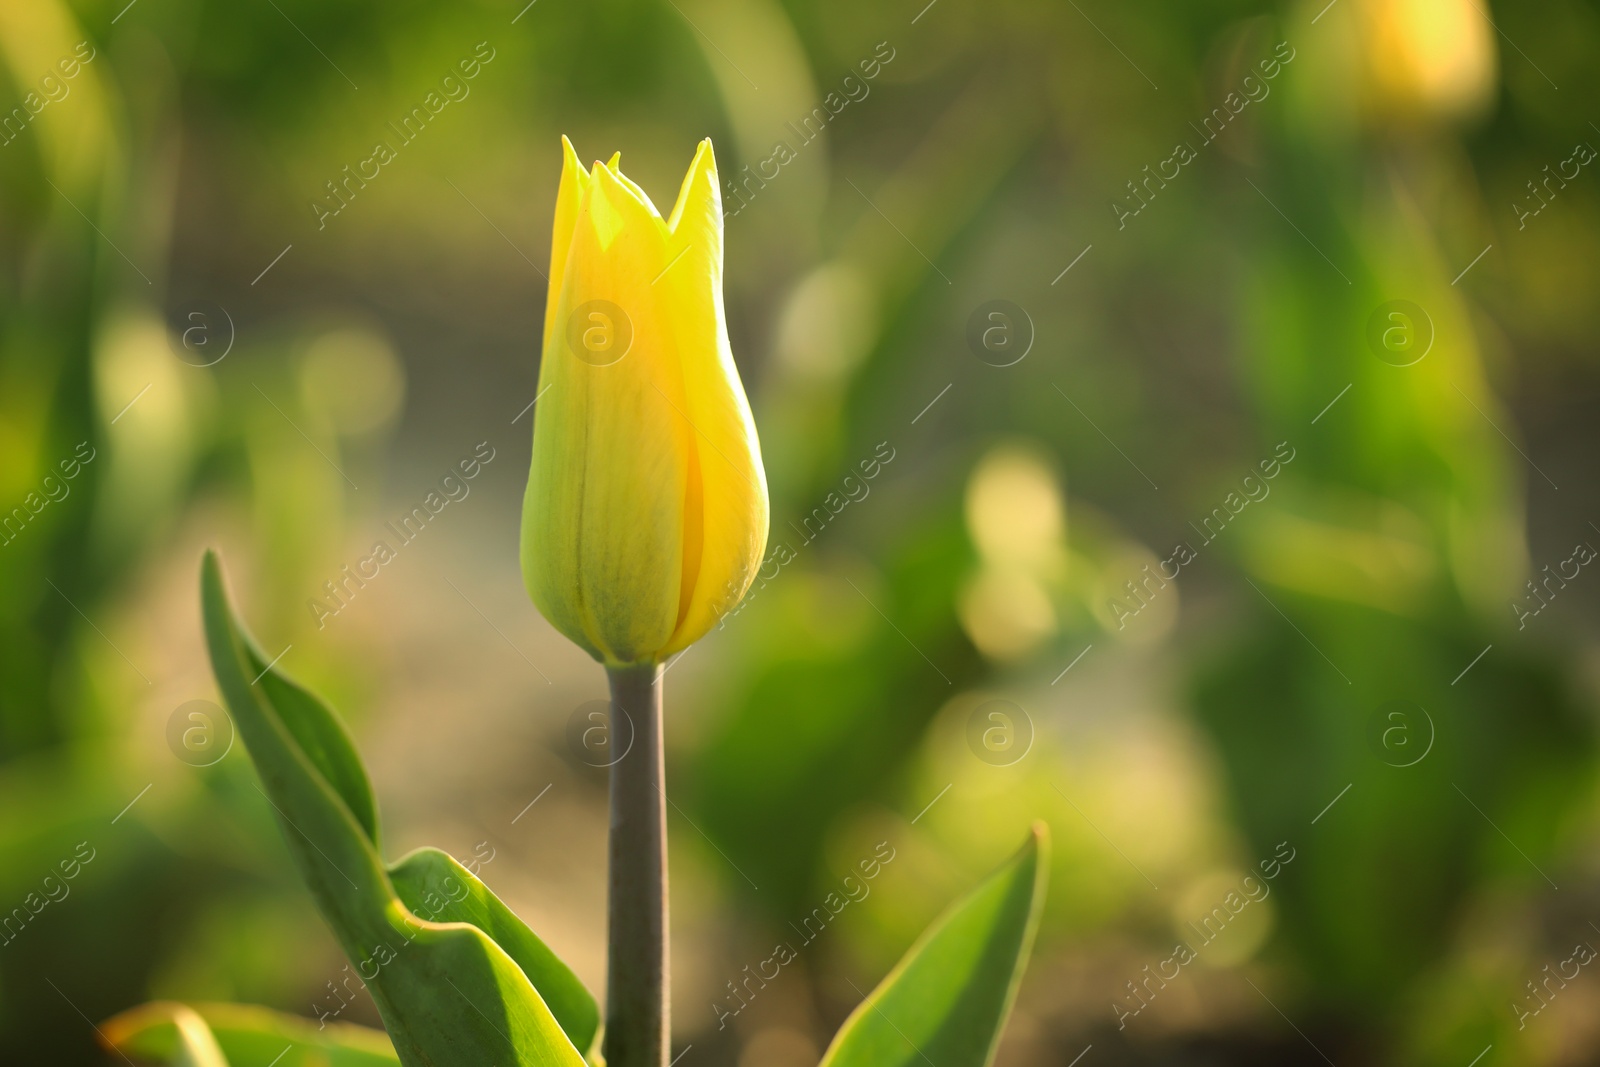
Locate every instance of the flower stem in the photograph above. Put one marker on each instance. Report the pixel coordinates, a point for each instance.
(637, 985)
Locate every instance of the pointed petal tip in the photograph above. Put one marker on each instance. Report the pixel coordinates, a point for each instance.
(571, 165)
(621, 189)
(705, 159)
(693, 190)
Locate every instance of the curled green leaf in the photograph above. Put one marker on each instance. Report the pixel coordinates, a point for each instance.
(240, 1035)
(451, 994)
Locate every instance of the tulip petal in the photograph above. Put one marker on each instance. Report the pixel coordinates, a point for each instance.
(614, 165)
(733, 491)
(573, 180)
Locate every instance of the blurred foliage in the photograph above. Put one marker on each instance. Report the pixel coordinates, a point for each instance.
(176, 171)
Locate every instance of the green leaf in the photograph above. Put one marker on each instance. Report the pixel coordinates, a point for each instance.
(321, 737)
(172, 1034)
(947, 999)
(242, 1035)
(432, 884)
(449, 994)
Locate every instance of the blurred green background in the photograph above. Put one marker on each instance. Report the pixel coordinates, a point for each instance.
(1200, 218)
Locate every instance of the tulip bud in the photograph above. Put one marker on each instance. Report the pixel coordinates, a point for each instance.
(646, 510)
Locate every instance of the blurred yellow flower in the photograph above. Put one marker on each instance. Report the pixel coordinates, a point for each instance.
(1430, 57)
(646, 510)
(1018, 521)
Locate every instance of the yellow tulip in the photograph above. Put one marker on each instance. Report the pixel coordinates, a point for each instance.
(646, 510)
